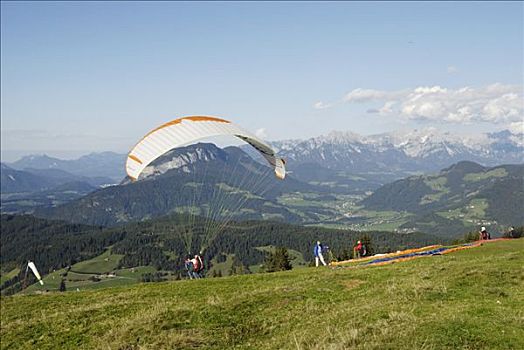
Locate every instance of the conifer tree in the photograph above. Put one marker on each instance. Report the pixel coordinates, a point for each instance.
(62, 287)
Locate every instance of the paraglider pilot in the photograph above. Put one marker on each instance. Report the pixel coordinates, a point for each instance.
(359, 250)
(484, 234)
(317, 251)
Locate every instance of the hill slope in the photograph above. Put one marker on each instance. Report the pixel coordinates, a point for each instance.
(443, 302)
(21, 181)
(201, 179)
(461, 196)
(24, 190)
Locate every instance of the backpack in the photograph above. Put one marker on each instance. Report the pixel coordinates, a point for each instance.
(189, 266)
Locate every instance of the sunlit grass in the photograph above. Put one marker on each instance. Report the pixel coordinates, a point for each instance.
(105, 262)
(473, 177)
(471, 299)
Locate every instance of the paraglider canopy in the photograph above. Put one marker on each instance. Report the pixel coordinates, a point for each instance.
(185, 130)
(216, 194)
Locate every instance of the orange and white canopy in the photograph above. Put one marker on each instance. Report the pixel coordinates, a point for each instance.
(186, 130)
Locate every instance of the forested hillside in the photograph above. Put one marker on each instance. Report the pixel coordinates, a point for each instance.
(464, 195)
(160, 243)
(200, 179)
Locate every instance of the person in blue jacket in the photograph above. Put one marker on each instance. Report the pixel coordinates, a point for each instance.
(317, 251)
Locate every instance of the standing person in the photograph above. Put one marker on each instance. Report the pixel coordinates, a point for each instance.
(318, 254)
(188, 263)
(200, 266)
(357, 250)
(481, 233)
(484, 234)
(197, 263)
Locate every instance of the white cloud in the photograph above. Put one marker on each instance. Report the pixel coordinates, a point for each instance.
(452, 70)
(496, 103)
(322, 105)
(364, 95)
(261, 133)
(517, 127)
(387, 107)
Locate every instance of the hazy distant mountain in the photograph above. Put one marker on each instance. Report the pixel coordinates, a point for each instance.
(105, 164)
(21, 181)
(463, 195)
(400, 152)
(23, 190)
(33, 180)
(60, 177)
(27, 202)
(195, 178)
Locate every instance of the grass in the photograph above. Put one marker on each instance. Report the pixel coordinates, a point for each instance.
(272, 216)
(474, 177)
(135, 272)
(8, 275)
(297, 259)
(225, 267)
(343, 209)
(439, 186)
(471, 299)
(474, 212)
(222, 267)
(370, 220)
(80, 281)
(104, 263)
(103, 283)
(51, 282)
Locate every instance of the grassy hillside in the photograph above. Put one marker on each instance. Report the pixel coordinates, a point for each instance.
(459, 198)
(472, 299)
(104, 263)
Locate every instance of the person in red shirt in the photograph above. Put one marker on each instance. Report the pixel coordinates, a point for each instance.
(357, 250)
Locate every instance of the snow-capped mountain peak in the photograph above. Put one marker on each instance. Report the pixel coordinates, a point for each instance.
(420, 149)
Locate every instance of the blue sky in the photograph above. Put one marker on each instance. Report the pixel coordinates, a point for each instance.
(81, 77)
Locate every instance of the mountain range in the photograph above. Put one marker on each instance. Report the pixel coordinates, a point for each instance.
(351, 161)
(201, 179)
(23, 190)
(227, 184)
(328, 178)
(104, 164)
(382, 158)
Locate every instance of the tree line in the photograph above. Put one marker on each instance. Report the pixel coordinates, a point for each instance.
(56, 244)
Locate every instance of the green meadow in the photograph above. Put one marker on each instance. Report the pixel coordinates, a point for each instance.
(470, 299)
